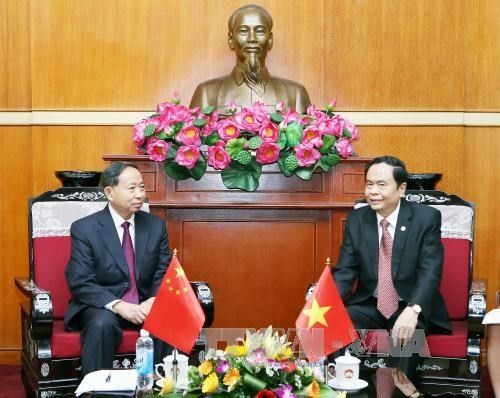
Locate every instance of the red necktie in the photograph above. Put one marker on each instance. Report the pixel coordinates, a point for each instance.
(131, 295)
(387, 302)
(385, 383)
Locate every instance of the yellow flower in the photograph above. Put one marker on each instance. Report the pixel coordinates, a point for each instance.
(168, 386)
(236, 350)
(205, 368)
(231, 377)
(312, 390)
(285, 352)
(210, 384)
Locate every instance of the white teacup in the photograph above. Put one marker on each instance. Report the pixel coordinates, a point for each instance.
(346, 368)
(168, 369)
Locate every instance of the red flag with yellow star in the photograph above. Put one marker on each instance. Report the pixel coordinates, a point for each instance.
(176, 316)
(324, 326)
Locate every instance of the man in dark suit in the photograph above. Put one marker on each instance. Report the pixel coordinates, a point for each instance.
(119, 256)
(392, 253)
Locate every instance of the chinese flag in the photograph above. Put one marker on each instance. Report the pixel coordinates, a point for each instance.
(176, 316)
(324, 326)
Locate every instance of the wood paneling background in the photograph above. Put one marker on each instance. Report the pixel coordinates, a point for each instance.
(414, 55)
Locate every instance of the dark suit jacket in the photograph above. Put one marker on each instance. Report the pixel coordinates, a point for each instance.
(417, 260)
(97, 271)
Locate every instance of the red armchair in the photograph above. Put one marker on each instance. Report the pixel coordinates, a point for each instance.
(50, 357)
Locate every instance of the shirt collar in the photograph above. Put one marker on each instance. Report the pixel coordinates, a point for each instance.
(119, 220)
(237, 75)
(391, 218)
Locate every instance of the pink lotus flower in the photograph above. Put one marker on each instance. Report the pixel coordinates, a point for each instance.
(344, 147)
(306, 154)
(331, 106)
(228, 129)
(233, 107)
(157, 149)
(269, 132)
(280, 106)
(313, 112)
(218, 158)
(259, 109)
(138, 136)
(267, 153)
(337, 125)
(189, 135)
(211, 125)
(352, 129)
(247, 120)
(187, 156)
(290, 116)
(312, 136)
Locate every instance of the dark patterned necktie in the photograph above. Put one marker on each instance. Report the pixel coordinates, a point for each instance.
(131, 295)
(385, 383)
(387, 302)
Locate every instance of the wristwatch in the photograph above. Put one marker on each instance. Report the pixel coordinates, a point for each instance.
(416, 308)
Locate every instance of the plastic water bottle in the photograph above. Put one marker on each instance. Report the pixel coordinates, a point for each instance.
(144, 361)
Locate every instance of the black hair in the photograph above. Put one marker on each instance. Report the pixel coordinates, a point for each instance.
(110, 175)
(399, 168)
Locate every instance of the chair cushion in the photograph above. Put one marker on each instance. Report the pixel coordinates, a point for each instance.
(440, 345)
(67, 344)
(455, 281)
(50, 256)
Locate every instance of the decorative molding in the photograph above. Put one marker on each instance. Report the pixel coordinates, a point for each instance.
(128, 118)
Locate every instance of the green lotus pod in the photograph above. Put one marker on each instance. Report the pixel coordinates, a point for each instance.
(332, 159)
(244, 157)
(255, 142)
(291, 162)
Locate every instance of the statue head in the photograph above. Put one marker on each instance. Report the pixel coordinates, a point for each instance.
(250, 36)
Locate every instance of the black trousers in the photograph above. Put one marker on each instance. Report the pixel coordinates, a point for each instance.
(101, 333)
(365, 316)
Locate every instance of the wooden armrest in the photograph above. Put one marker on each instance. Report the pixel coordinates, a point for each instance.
(40, 307)
(476, 308)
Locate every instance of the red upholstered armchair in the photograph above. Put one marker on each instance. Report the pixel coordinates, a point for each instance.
(50, 354)
(454, 364)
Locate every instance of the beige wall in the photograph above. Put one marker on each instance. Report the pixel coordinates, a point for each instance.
(380, 55)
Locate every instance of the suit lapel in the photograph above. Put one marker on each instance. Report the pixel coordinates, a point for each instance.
(371, 239)
(141, 238)
(111, 240)
(402, 229)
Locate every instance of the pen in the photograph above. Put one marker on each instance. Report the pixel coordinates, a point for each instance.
(108, 379)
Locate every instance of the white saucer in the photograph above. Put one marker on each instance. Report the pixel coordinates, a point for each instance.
(351, 386)
(159, 383)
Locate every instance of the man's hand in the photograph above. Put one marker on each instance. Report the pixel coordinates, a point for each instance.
(146, 305)
(404, 326)
(130, 312)
(402, 382)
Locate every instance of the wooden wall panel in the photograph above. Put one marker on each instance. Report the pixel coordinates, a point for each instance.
(15, 75)
(423, 149)
(481, 177)
(74, 148)
(394, 54)
(482, 55)
(16, 178)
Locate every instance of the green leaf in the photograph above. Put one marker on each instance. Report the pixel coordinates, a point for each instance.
(322, 163)
(328, 141)
(282, 141)
(276, 117)
(200, 123)
(149, 130)
(178, 172)
(212, 139)
(162, 136)
(346, 133)
(305, 172)
(178, 127)
(245, 177)
(207, 110)
(235, 146)
(293, 134)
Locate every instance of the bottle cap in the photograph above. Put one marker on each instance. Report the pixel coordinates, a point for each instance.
(144, 333)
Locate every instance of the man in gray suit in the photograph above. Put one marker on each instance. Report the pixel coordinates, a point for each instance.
(392, 249)
(119, 256)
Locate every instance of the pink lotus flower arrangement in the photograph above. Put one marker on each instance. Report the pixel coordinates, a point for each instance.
(242, 140)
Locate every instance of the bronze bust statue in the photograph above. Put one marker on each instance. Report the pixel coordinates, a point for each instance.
(250, 36)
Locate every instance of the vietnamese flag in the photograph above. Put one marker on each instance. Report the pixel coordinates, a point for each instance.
(176, 316)
(324, 326)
